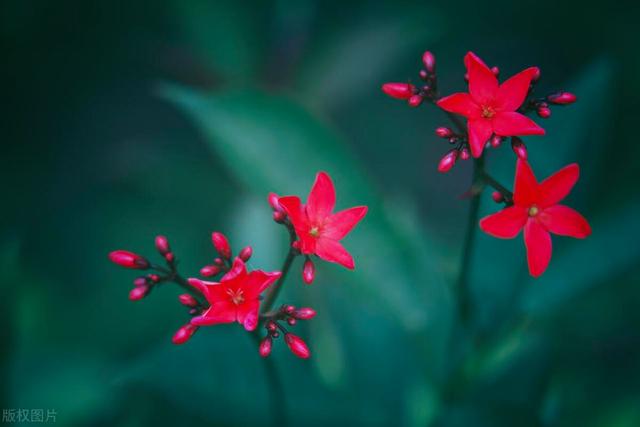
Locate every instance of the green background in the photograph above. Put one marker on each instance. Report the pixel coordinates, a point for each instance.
(128, 119)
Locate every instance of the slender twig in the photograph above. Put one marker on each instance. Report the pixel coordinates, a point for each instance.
(175, 277)
(272, 293)
(488, 179)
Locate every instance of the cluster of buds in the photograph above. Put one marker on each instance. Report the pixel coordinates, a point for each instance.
(222, 263)
(290, 315)
(542, 106)
(415, 95)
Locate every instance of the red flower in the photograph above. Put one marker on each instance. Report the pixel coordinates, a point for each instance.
(489, 107)
(235, 298)
(536, 209)
(317, 227)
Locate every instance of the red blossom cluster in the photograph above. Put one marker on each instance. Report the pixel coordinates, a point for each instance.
(495, 111)
(244, 296)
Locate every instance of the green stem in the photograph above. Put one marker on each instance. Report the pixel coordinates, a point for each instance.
(277, 396)
(488, 179)
(274, 291)
(176, 278)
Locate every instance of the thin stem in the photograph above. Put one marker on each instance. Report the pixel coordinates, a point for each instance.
(462, 286)
(175, 277)
(276, 392)
(488, 179)
(274, 291)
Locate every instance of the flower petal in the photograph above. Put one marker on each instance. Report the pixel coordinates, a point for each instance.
(210, 290)
(525, 187)
(515, 124)
(294, 209)
(513, 91)
(564, 221)
(332, 251)
(505, 224)
(339, 224)
(220, 312)
(559, 185)
(538, 243)
(322, 198)
(237, 270)
(248, 314)
(480, 131)
(257, 281)
(483, 84)
(460, 103)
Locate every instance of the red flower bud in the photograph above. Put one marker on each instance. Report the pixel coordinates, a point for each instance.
(297, 346)
(495, 70)
(292, 321)
(289, 309)
(536, 75)
(271, 326)
(544, 112)
(562, 98)
(497, 197)
(141, 281)
(221, 244)
(183, 334)
(162, 245)
(129, 260)
(218, 261)
(209, 270)
(169, 257)
(496, 140)
(246, 253)
(308, 272)
(279, 217)
(273, 202)
(265, 346)
(304, 313)
(153, 278)
(519, 148)
(464, 154)
(444, 132)
(415, 101)
(424, 75)
(138, 292)
(399, 90)
(296, 245)
(188, 300)
(447, 162)
(429, 61)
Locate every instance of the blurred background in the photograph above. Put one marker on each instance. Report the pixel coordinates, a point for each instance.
(124, 120)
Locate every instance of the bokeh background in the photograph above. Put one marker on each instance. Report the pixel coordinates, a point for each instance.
(128, 119)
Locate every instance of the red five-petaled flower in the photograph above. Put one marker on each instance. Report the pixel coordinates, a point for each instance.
(317, 227)
(489, 107)
(536, 209)
(235, 298)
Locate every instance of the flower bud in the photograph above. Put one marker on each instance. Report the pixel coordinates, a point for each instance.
(444, 132)
(183, 334)
(544, 112)
(519, 148)
(562, 98)
(399, 90)
(308, 272)
(415, 100)
(292, 321)
(495, 70)
(209, 270)
(447, 162)
(194, 311)
(129, 260)
(429, 61)
(139, 292)
(288, 309)
(170, 257)
(304, 313)
(187, 300)
(221, 244)
(154, 278)
(424, 75)
(218, 261)
(296, 245)
(265, 346)
(496, 140)
(466, 77)
(271, 326)
(274, 203)
(162, 245)
(297, 346)
(245, 253)
(497, 197)
(279, 217)
(464, 154)
(141, 281)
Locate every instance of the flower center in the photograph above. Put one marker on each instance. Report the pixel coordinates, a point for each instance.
(314, 232)
(237, 296)
(487, 112)
(533, 210)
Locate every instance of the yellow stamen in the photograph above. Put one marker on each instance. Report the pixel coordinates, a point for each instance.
(237, 297)
(314, 232)
(487, 112)
(533, 210)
